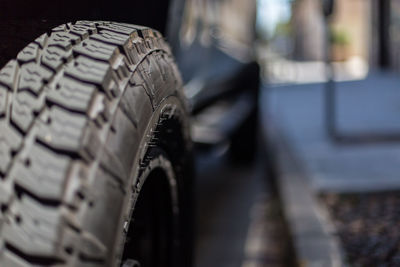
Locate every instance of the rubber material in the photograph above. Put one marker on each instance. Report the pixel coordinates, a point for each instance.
(78, 109)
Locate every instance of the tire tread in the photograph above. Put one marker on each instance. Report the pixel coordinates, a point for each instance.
(58, 102)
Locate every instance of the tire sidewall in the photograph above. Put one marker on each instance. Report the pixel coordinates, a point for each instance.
(171, 102)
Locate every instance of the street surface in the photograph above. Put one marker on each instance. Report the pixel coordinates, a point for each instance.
(238, 220)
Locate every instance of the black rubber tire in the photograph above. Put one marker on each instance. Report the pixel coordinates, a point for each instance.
(244, 142)
(81, 109)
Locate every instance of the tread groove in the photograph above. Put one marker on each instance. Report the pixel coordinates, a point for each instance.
(72, 155)
(35, 260)
(20, 191)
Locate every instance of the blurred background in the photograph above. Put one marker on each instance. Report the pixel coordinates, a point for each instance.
(322, 189)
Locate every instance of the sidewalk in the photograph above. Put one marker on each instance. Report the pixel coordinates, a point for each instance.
(310, 163)
(367, 106)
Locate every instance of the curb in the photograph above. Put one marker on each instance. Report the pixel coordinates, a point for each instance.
(312, 233)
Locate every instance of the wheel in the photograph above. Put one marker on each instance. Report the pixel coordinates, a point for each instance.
(95, 152)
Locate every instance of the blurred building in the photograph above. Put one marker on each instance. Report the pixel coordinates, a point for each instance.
(349, 24)
(373, 30)
(385, 50)
(308, 30)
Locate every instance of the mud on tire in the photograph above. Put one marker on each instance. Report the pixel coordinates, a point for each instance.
(81, 110)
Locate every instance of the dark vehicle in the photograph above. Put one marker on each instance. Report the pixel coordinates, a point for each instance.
(95, 133)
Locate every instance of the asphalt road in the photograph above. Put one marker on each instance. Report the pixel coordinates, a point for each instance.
(238, 218)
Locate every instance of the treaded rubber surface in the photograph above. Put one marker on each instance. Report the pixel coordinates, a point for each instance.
(73, 107)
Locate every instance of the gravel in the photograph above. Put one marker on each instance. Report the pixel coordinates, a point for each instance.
(368, 225)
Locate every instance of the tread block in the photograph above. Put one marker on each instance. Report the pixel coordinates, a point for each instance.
(109, 37)
(61, 129)
(67, 132)
(107, 195)
(76, 182)
(10, 140)
(23, 109)
(29, 53)
(72, 95)
(148, 33)
(135, 51)
(118, 28)
(42, 172)
(122, 41)
(99, 109)
(60, 28)
(140, 46)
(9, 74)
(91, 71)
(6, 191)
(11, 260)
(92, 247)
(130, 26)
(121, 68)
(42, 40)
(97, 50)
(90, 23)
(54, 57)
(3, 100)
(63, 40)
(83, 31)
(6, 195)
(33, 78)
(34, 229)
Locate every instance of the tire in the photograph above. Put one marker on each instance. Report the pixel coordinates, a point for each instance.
(92, 114)
(245, 141)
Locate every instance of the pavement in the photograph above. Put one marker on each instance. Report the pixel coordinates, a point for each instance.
(238, 220)
(309, 162)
